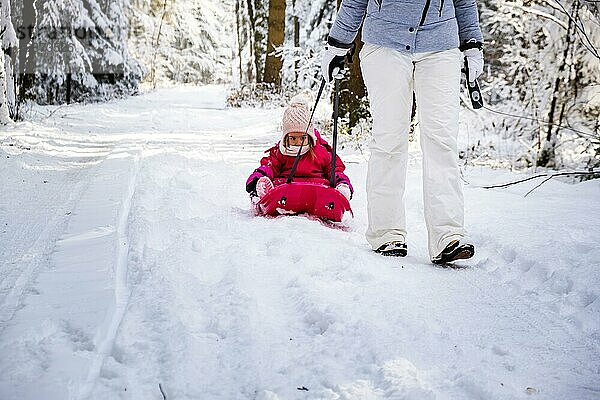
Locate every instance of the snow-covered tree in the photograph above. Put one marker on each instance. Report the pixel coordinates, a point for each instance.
(4, 114)
(306, 27)
(304, 42)
(251, 29)
(23, 56)
(8, 41)
(81, 50)
(244, 45)
(73, 49)
(543, 73)
(187, 41)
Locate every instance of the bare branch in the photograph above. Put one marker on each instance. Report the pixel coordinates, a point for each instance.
(164, 396)
(585, 39)
(538, 185)
(539, 13)
(550, 176)
(538, 120)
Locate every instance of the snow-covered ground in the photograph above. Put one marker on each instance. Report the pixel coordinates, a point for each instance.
(130, 264)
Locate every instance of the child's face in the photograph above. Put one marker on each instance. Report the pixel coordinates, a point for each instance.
(297, 139)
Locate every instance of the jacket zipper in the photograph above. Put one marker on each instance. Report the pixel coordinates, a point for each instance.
(441, 7)
(379, 4)
(427, 3)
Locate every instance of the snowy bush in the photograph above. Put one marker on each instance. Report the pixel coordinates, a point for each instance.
(257, 95)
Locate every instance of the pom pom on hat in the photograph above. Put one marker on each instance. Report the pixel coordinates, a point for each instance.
(305, 97)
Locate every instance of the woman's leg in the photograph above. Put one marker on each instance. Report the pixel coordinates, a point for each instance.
(388, 77)
(437, 86)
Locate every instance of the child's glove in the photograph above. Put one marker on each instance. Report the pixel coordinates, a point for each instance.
(344, 189)
(251, 182)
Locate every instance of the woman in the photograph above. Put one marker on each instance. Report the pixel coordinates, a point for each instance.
(412, 46)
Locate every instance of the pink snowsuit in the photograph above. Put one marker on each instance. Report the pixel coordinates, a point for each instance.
(317, 168)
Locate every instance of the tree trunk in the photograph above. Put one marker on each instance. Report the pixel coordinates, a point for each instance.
(157, 45)
(275, 38)
(26, 52)
(296, 37)
(352, 89)
(8, 38)
(4, 115)
(253, 73)
(11, 82)
(5, 22)
(238, 31)
(547, 157)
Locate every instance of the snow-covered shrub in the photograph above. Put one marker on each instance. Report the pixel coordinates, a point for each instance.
(258, 95)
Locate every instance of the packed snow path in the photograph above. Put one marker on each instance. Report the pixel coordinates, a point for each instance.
(130, 259)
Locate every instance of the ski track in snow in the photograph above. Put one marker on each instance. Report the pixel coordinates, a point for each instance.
(161, 275)
(107, 338)
(28, 263)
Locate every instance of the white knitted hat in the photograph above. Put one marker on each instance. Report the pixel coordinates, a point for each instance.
(295, 119)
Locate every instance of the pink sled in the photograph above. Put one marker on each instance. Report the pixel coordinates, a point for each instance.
(314, 197)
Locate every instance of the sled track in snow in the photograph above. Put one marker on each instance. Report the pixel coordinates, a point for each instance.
(109, 332)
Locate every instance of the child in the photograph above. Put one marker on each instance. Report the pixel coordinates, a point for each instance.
(314, 163)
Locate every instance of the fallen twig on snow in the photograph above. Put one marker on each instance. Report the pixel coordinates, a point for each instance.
(549, 176)
(162, 392)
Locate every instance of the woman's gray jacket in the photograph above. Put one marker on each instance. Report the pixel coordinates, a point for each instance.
(414, 26)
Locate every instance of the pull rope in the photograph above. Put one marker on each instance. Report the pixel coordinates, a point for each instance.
(336, 104)
(293, 171)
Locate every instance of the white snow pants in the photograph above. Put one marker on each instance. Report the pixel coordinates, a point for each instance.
(391, 77)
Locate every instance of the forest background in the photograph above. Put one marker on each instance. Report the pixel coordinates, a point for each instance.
(541, 83)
